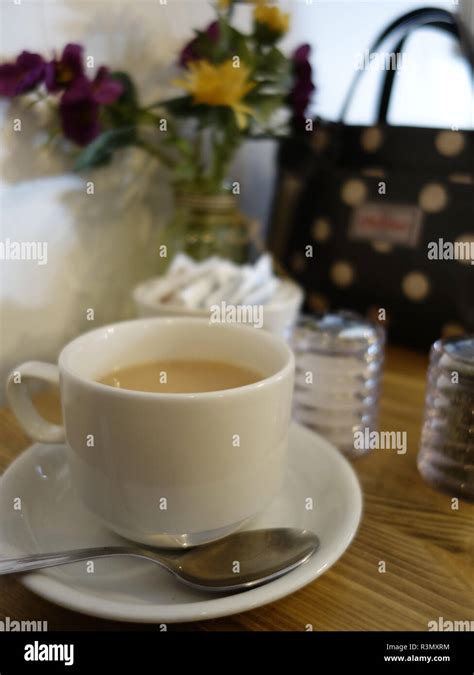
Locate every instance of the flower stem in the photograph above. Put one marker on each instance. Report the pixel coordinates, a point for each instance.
(154, 152)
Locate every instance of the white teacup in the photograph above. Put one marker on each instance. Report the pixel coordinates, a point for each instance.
(167, 469)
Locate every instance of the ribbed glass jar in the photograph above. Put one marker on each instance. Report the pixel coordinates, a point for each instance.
(446, 456)
(205, 225)
(339, 361)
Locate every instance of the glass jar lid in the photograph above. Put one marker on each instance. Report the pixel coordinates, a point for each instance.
(342, 333)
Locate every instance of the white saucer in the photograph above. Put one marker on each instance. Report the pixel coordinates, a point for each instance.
(51, 518)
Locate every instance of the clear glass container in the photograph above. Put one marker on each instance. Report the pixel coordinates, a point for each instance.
(204, 225)
(339, 362)
(446, 456)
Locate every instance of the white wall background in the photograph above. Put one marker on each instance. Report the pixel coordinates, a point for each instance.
(98, 248)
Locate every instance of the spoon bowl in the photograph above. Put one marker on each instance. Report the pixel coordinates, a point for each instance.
(246, 559)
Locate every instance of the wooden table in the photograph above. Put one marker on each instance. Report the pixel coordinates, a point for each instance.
(427, 547)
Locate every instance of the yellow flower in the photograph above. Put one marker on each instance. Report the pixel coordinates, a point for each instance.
(219, 84)
(271, 17)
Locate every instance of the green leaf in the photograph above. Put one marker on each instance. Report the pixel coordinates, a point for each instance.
(237, 45)
(272, 64)
(129, 94)
(264, 106)
(123, 112)
(100, 151)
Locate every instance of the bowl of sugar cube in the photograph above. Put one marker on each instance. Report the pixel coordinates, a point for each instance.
(223, 292)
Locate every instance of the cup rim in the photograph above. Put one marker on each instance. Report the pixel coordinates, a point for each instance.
(270, 338)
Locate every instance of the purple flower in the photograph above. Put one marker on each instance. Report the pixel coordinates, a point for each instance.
(190, 52)
(62, 73)
(303, 86)
(79, 113)
(22, 76)
(80, 105)
(105, 89)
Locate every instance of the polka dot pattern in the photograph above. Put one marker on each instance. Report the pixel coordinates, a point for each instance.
(416, 286)
(318, 302)
(382, 246)
(342, 274)
(371, 139)
(320, 140)
(461, 178)
(371, 244)
(450, 143)
(298, 262)
(467, 238)
(321, 230)
(373, 172)
(353, 192)
(433, 198)
(452, 329)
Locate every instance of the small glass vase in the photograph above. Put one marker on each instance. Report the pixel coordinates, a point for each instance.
(446, 456)
(206, 225)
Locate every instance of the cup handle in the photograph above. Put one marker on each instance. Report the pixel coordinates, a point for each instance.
(20, 401)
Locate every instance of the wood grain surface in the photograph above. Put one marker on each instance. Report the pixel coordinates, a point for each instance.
(427, 547)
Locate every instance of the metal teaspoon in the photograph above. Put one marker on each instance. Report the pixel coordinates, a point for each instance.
(262, 556)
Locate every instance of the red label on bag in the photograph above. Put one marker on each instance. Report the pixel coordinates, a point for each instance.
(395, 223)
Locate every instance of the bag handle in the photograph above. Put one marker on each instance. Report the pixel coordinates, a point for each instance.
(385, 98)
(409, 22)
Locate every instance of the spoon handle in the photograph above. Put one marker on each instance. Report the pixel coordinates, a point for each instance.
(37, 561)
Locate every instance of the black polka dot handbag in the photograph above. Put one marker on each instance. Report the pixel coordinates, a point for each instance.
(380, 219)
